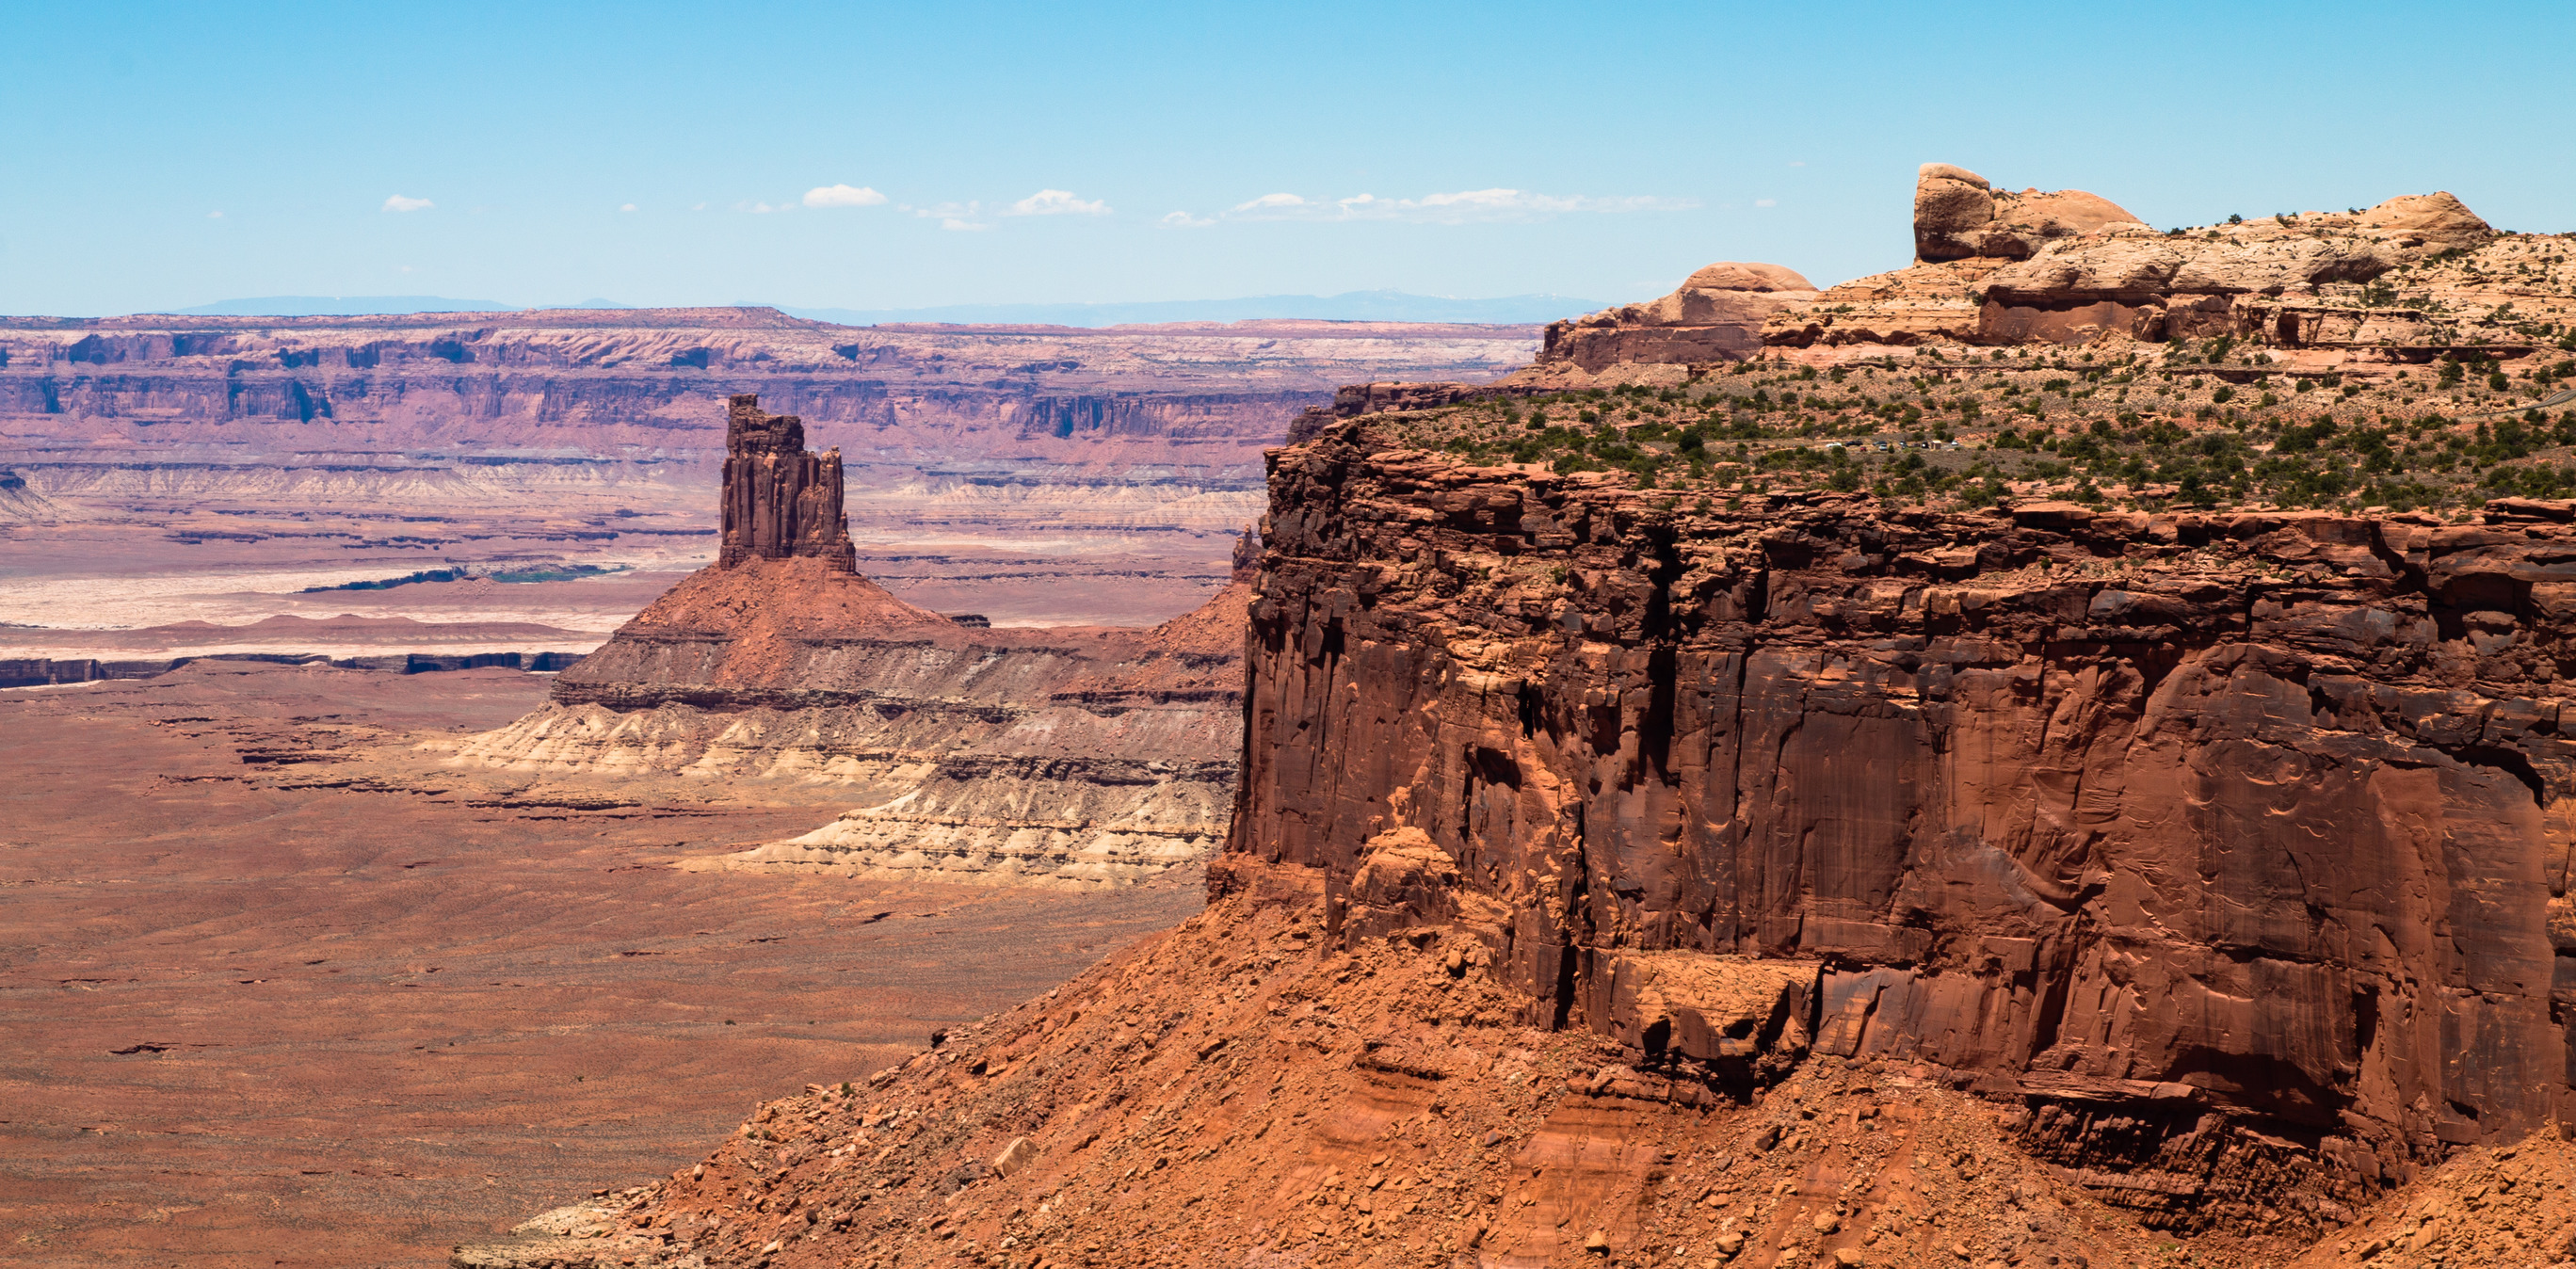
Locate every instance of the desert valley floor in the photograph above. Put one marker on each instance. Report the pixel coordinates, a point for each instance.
(281, 991)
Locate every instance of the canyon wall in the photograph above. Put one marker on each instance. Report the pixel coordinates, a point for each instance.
(631, 383)
(2177, 826)
(1644, 855)
(170, 469)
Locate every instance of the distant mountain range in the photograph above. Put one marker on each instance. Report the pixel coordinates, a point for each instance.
(1351, 306)
(363, 306)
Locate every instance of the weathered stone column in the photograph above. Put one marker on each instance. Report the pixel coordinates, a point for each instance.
(779, 500)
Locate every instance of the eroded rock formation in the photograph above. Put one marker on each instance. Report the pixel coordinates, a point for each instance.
(1958, 214)
(1073, 755)
(1998, 268)
(1798, 884)
(1715, 315)
(779, 500)
(2070, 267)
(511, 437)
(1809, 879)
(2181, 822)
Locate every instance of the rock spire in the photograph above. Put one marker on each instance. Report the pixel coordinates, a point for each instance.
(780, 500)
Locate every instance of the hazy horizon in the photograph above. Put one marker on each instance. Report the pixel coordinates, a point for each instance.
(1356, 306)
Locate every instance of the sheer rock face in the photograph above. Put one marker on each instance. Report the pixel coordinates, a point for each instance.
(2180, 825)
(779, 500)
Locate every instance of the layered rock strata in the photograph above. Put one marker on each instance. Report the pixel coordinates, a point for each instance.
(2177, 827)
(1716, 315)
(2070, 267)
(284, 443)
(1959, 214)
(2413, 279)
(1073, 755)
(1620, 878)
(1799, 884)
(779, 500)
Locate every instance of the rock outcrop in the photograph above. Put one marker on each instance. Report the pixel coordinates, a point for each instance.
(1715, 315)
(1798, 884)
(1073, 755)
(779, 500)
(2069, 267)
(1813, 878)
(2193, 824)
(1996, 267)
(1958, 214)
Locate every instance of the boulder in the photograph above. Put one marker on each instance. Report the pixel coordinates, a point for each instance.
(1950, 204)
(1738, 275)
(2076, 209)
(1015, 1156)
(2423, 224)
(1958, 214)
(1715, 315)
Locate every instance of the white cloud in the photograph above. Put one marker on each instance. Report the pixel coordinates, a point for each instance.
(215, 215)
(626, 207)
(1797, 162)
(1457, 208)
(955, 225)
(1766, 202)
(763, 209)
(1056, 202)
(398, 203)
(1184, 220)
(842, 196)
(699, 207)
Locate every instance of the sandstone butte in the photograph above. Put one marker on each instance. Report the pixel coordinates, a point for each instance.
(1071, 756)
(1643, 861)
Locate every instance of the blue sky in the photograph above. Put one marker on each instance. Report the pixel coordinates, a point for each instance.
(165, 156)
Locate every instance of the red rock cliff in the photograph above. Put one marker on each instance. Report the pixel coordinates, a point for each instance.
(780, 501)
(2182, 827)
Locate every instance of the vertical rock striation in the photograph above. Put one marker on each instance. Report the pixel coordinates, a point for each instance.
(780, 501)
(2238, 843)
